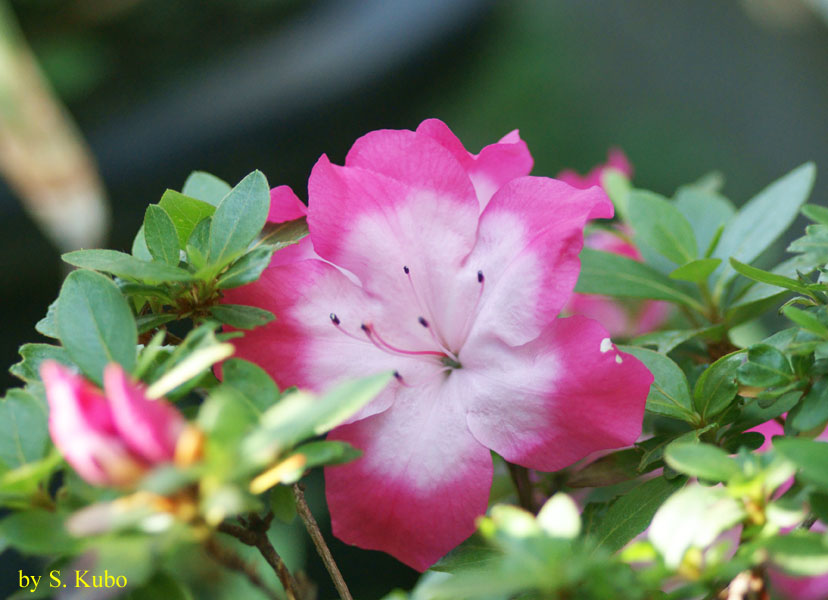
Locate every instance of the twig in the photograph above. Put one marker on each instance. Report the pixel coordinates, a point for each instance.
(256, 536)
(520, 477)
(231, 560)
(319, 541)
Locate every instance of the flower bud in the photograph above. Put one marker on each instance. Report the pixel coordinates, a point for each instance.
(110, 436)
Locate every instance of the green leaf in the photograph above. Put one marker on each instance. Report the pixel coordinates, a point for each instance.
(801, 553)
(162, 585)
(618, 188)
(816, 213)
(206, 187)
(47, 325)
(239, 218)
(659, 225)
(161, 236)
(151, 321)
(37, 532)
(666, 341)
(700, 460)
(283, 503)
(607, 470)
(748, 310)
(95, 323)
(631, 513)
(763, 219)
(124, 265)
(185, 213)
(670, 393)
(765, 367)
(770, 278)
(251, 381)
(559, 517)
(614, 275)
(24, 435)
(241, 317)
(696, 270)
(471, 554)
(301, 415)
(706, 211)
(716, 387)
(282, 235)
(328, 452)
(813, 246)
(810, 456)
(247, 269)
(812, 411)
(33, 356)
(806, 320)
(198, 244)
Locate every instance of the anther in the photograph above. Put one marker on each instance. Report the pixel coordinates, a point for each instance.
(397, 375)
(422, 321)
(364, 328)
(480, 277)
(406, 269)
(334, 319)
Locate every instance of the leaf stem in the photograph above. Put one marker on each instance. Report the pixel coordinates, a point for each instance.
(319, 541)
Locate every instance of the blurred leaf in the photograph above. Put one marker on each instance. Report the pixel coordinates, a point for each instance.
(247, 269)
(631, 513)
(700, 460)
(139, 246)
(239, 218)
(47, 325)
(124, 265)
(95, 323)
(614, 275)
(559, 517)
(300, 415)
(765, 367)
(161, 585)
(705, 210)
(802, 553)
(283, 503)
(149, 322)
(161, 236)
(198, 244)
(24, 434)
(748, 310)
(813, 246)
(693, 518)
(666, 341)
(33, 356)
(810, 456)
(659, 225)
(607, 470)
(251, 381)
(206, 187)
(763, 219)
(185, 213)
(37, 532)
(670, 393)
(327, 452)
(473, 553)
(696, 270)
(716, 387)
(241, 317)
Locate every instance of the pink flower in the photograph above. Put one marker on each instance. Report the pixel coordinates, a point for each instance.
(449, 269)
(623, 319)
(111, 437)
(616, 159)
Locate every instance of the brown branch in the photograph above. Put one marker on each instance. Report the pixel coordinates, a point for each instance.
(256, 537)
(231, 560)
(319, 541)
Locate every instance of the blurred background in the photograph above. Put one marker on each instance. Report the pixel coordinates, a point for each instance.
(105, 103)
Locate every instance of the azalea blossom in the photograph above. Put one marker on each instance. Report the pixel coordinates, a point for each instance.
(112, 436)
(447, 269)
(627, 318)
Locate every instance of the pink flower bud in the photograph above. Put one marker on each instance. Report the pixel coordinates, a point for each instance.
(110, 437)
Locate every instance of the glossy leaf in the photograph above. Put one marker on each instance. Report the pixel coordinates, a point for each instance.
(765, 367)
(716, 387)
(241, 317)
(700, 460)
(670, 393)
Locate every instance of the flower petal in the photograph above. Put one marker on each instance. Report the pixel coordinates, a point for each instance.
(150, 428)
(493, 167)
(527, 246)
(285, 205)
(421, 483)
(616, 159)
(555, 400)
